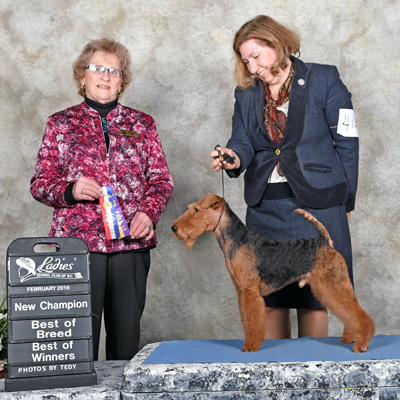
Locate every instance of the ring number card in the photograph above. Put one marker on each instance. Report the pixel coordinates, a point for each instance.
(49, 315)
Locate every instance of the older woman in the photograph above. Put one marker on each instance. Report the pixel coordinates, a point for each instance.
(295, 137)
(92, 145)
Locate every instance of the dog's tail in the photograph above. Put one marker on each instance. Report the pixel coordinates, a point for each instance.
(318, 226)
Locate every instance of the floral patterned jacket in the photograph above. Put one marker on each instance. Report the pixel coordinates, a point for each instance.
(73, 145)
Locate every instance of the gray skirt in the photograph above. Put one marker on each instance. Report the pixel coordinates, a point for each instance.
(275, 218)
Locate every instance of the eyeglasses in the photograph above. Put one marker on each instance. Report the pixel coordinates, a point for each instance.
(99, 69)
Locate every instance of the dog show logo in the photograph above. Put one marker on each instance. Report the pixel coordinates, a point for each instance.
(50, 268)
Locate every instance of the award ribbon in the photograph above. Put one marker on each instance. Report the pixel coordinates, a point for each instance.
(114, 221)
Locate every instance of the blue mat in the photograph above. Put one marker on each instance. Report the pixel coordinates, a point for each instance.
(287, 350)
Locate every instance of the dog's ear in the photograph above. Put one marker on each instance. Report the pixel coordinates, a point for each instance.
(211, 201)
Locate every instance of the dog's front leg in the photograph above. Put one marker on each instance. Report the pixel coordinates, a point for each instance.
(252, 311)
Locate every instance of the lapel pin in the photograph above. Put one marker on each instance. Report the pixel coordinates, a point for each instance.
(301, 82)
(128, 133)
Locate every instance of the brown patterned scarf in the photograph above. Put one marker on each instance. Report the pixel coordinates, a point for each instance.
(275, 120)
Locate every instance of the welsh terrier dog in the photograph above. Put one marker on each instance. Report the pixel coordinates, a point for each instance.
(259, 266)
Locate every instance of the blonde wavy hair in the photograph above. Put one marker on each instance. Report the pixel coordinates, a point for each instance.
(266, 32)
(109, 46)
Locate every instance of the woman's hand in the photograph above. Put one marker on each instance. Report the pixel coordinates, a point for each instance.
(217, 165)
(141, 226)
(86, 189)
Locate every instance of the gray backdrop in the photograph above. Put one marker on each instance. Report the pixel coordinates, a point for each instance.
(182, 64)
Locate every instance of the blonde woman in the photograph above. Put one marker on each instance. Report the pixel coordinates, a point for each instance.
(295, 138)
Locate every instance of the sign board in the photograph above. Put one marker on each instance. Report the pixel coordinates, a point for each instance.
(49, 315)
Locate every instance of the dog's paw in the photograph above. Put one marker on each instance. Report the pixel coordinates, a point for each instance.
(251, 347)
(348, 338)
(360, 347)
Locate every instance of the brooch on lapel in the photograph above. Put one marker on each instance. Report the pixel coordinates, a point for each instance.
(128, 133)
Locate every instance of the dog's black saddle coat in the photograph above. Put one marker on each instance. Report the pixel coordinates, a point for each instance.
(278, 262)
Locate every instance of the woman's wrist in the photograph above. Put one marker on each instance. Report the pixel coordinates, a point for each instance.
(69, 194)
(237, 161)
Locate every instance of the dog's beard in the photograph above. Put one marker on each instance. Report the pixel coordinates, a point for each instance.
(189, 241)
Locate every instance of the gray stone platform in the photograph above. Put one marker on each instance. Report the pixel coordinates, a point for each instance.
(369, 379)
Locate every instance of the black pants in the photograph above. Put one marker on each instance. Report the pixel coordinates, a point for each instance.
(118, 285)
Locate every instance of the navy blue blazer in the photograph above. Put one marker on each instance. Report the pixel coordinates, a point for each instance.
(320, 165)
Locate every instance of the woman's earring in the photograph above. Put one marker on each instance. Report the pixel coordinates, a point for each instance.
(83, 87)
(119, 93)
